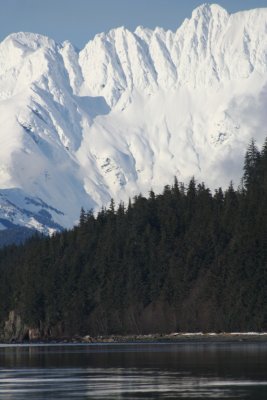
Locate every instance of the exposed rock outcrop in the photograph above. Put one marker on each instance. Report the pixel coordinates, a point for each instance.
(14, 329)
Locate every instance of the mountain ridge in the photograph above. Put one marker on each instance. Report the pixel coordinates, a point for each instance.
(127, 112)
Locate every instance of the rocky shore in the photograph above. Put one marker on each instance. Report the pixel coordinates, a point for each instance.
(176, 337)
(15, 331)
(195, 337)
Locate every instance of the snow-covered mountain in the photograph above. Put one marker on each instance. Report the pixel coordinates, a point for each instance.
(127, 113)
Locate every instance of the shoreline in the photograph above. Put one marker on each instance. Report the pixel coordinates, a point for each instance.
(172, 338)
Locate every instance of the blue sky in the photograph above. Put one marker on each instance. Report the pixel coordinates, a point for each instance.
(79, 20)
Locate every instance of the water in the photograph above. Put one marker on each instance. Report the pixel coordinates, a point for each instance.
(134, 371)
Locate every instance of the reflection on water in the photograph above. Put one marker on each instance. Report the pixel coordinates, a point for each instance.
(157, 371)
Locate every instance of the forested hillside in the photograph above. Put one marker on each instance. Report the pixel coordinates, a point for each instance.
(187, 259)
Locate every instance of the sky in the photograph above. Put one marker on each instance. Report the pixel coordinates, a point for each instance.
(80, 20)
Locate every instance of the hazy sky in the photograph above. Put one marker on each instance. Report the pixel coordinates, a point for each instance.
(79, 20)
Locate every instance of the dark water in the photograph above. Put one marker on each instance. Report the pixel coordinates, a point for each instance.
(155, 371)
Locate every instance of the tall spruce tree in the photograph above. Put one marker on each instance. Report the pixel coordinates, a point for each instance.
(251, 165)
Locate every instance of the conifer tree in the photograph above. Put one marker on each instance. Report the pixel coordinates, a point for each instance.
(251, 164)
(82, 217)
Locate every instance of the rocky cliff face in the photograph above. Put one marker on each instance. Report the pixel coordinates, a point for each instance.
(127, 113)
(16, 330)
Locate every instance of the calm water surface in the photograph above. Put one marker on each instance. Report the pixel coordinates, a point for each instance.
(137, 371)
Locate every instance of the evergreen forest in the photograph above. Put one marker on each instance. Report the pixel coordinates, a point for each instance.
(187, 259)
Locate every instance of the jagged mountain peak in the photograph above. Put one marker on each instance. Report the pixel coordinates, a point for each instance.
(209, 9)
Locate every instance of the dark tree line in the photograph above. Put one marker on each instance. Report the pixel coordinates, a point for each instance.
(187, 259)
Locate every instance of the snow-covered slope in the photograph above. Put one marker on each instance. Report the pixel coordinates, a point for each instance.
(126, 113)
